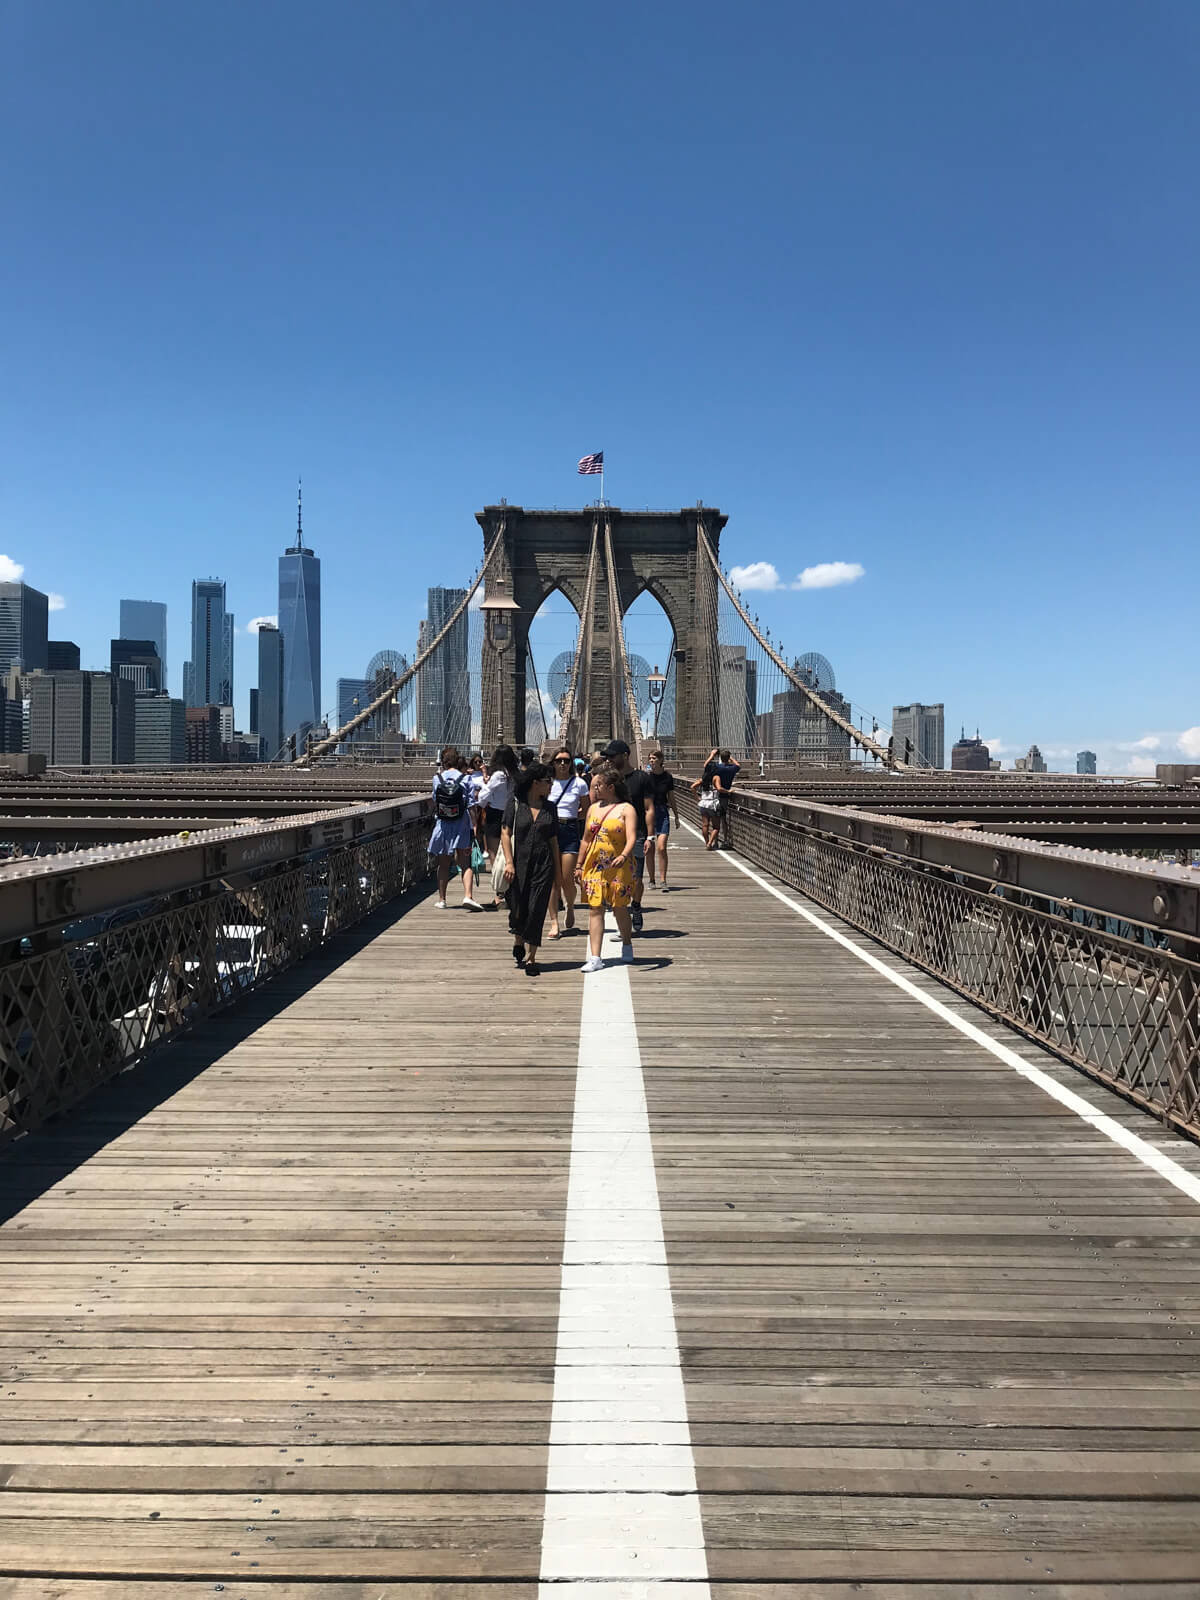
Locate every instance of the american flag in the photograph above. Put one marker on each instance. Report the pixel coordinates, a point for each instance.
(592, 464)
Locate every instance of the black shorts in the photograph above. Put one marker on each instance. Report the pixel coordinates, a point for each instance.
(493, 818)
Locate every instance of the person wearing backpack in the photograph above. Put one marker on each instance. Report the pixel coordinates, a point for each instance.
(453, 796)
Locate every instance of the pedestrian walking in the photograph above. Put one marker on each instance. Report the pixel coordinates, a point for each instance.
(529, 839)
(662, 784)
(492, 800)
(605, 871)
(569, 795)
(641, 798)
(451, 837)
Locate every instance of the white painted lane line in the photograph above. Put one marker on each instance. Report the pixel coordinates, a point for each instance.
(1186, 1182)
(622, 1508)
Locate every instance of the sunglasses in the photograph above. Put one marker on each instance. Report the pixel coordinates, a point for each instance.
(560, 761)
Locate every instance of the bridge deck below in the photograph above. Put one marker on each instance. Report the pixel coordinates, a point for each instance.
(284, 1310)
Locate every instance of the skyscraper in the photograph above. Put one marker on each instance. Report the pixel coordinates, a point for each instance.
(300, 624)
(77, 718)
(445, 679)
(62, 655)
(147, 619)
(208, 676)
(1085, 763)
(138, 660)
(24, 627)
(737, 699)
(925, 729)
(159, 734)
(970, 755)
(350, 691)
(270, 702)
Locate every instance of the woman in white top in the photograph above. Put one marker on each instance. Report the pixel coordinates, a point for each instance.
(494, 798)
(568, 796)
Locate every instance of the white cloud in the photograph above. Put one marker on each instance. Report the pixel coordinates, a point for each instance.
(828, 574)
(1149, 741)
(999, 746)
(57, 603)
(758, 575)
(256, 623)
(1189, 743)
(1140, 767)
(10, 571)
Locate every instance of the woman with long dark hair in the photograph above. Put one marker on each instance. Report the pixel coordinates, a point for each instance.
(529, 839)
(493, 800)
(605, 873)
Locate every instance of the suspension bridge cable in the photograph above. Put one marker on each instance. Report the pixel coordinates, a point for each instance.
(863, 740)
(618, 633)
(390, 693)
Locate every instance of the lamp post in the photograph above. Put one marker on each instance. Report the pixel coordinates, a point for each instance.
(656, 687)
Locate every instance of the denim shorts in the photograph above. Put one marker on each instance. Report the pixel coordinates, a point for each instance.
(570, 835)
(662, 822)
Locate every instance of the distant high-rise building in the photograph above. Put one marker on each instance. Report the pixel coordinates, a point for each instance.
(81, 718)
(62, 655)
(1030, 762)
(139, 661)
(24, 624)
(159, 737)
(970, 755)
(1085, 763)
(253, 709)
(924, 727)
(147, 619)
(208, 675)
(354, 695)
(202, 732)
(445, 678)
(737, 699)
(300, 624)
(269, 724)
(12, 721)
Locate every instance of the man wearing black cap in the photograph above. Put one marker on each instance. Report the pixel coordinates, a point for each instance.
(641, 798)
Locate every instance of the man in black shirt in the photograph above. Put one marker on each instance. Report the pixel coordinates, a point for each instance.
(641, 798)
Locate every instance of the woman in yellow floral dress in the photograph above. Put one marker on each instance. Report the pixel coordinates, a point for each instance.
(604, 872)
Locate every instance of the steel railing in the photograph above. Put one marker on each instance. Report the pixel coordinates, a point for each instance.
(1095, 955)
(108, 953)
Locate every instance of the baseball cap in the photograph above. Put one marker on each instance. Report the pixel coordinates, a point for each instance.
(617, 747)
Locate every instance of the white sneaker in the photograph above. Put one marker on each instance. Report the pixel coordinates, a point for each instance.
(593, 964)
(440, 906)
(471, 905)
(626, 953)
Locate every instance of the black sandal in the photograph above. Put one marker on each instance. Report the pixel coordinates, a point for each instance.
(519, 954)
(532, 970)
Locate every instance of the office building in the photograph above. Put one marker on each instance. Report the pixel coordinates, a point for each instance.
(300, 625)
(924, 729)
(147, 619)
(202, 734)
(24, 625)
(112, 724)
(445, 679)
(139, 661)
(818, 739)
(159, 736)
(269, 702)
(12, 721)
(737, 699)
(62, 655)
(208, 675)
(1030, 762)
(81, 718)
(970, 755)
(1085, 763)
(355, 695)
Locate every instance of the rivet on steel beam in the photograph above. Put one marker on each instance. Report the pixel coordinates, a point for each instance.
(999, 865)
(1163, 905)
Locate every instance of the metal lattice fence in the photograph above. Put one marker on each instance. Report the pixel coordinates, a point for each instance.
(1117, 996)
(75, 1015)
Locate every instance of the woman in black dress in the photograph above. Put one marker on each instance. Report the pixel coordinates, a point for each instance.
(529, 839)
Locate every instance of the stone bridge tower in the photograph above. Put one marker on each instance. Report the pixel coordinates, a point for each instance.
(541, 551)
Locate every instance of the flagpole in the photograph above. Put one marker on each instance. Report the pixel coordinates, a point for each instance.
(602, 483)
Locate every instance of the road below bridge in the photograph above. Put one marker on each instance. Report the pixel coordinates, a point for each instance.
(756, 1269)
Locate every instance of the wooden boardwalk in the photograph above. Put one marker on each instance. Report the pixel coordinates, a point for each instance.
(280, 1314)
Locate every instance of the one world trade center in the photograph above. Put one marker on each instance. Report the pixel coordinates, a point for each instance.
(300, 625)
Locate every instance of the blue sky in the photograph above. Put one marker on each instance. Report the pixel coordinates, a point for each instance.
(907, 286)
